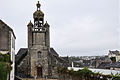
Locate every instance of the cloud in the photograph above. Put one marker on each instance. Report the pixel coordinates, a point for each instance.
(78, 27)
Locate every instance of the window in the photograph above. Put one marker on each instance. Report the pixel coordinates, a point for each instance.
(39, 54)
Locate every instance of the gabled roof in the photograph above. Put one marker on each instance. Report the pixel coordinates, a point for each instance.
(55, 55)
(1, 22)
(53, 52)
(20, 53)
(62, 60)
(23, 50)
(65, 58)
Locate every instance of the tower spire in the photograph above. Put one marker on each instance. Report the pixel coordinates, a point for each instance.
(38, 5)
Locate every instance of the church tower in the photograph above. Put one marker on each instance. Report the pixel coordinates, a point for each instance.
(38, 44)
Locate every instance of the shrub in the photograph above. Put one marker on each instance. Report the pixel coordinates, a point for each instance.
(5, 66)
(86, 74)
(3, 71)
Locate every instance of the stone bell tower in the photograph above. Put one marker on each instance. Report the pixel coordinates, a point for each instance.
(38, 44)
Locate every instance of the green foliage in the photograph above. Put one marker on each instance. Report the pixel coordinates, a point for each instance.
(5, 58)
(116, 77)
(86, 71)
(3, 71)
(5, 66)
(87, 74)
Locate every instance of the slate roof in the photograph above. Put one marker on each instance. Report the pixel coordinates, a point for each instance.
(55, 55)
(62, 60)
(109, 65)
(20, 53)
(65, 58)
(115, 65)
(104, 65)
(53, 52)
(23, 50)
(86, 61)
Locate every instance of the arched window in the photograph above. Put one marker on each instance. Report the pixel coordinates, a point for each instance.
(39, 54)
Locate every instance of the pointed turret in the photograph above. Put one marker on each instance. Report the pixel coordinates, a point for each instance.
(46, 24)
(30, 23)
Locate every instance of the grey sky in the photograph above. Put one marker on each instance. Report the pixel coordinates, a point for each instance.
(78, 27)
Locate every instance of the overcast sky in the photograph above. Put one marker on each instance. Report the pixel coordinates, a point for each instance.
(78, 27)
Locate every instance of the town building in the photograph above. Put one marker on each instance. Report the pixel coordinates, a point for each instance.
(114, 55)
(7, 44)
(39, 60)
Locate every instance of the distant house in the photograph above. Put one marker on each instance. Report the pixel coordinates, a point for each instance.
(100, 62)
(115, 66)
(104, 65)
(114, 55)
(86, 63)
(107, 65)
(7, 43)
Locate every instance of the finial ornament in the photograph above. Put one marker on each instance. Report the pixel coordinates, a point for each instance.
(38, 5)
